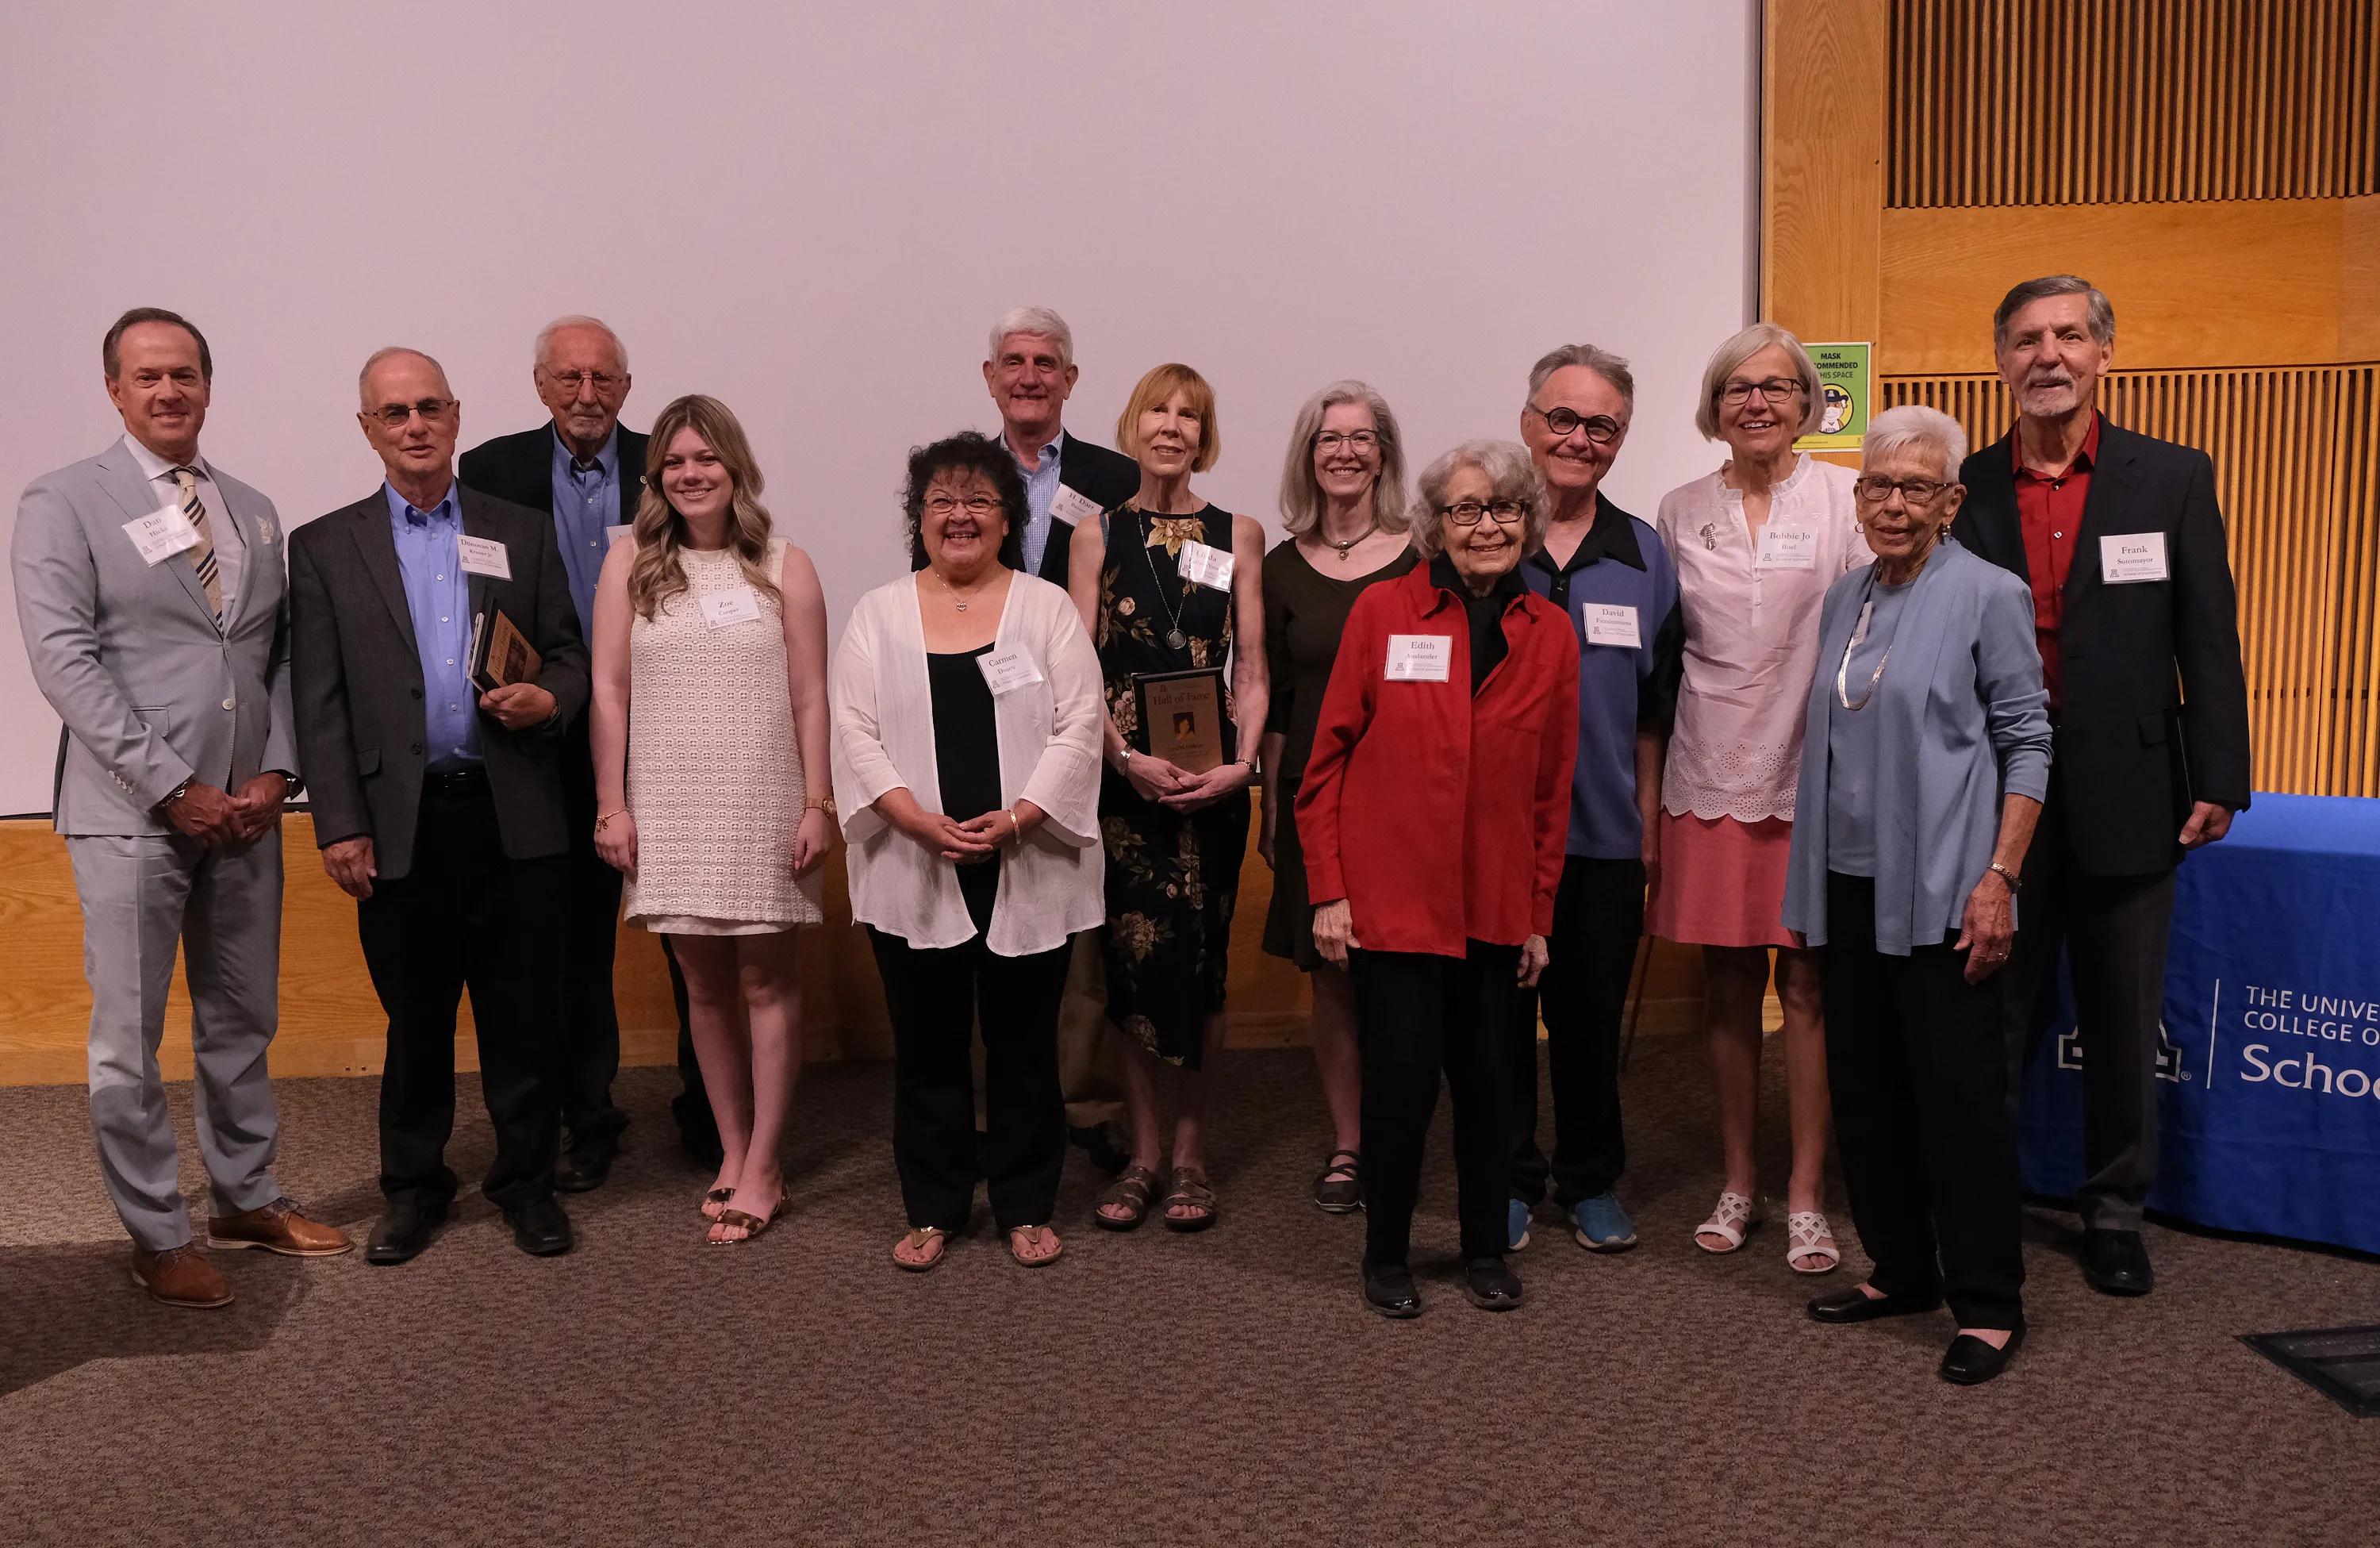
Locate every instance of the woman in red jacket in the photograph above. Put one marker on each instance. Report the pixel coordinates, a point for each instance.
(1434, 811)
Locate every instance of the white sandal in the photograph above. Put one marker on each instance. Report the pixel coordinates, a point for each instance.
(1730, 1222)
(1808, 1236)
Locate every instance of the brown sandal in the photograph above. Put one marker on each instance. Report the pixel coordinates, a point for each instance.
(1134, 1187)
(716, 1196)
(1034, 1235)
(918, 1236)
(752, 1225)
(1190, 1187)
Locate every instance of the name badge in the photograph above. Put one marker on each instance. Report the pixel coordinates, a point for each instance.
(484, 557)
(1611, 624)
(1859, 630)
(1073, 506)
(1419, 658)
(728, 608)
(613, 534)
(1787, 548)
(1203, 566)
(2130, 557)
(1006, 671)
(161, 534)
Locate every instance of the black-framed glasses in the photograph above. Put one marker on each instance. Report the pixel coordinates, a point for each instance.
(434, 411)
(1601, 428)
(601, 381)
(977, 505)
(1775, 389)
(1467, 513)
(1876, 489)
(1353, 439)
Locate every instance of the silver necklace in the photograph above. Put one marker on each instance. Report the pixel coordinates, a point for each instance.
(957, 601)
(1843, 691)
(1174, 638)
(1351, 543)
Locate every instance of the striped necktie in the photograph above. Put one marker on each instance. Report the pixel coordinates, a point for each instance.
(202, 555)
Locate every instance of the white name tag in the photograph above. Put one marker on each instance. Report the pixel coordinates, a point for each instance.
(1787, 548)
(1006, 671)
(728, 608)
(161, 534)
(1859, 630)
(613, 534)
(1419, 658)
(1073, 506)
(1611, 624)
(2129, 557)
(1202, 566)
(484, 557)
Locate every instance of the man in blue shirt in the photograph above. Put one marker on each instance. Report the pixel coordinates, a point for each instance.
(1608, 571)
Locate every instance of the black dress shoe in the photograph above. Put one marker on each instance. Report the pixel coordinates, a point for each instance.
(1105, 1144)
(1856, 1305)
(584, 1165)
(2116, 1263)
(406, 1227)
(1971, 1361)
(540, 1229)
(1491, 1285)
(1388, 1290)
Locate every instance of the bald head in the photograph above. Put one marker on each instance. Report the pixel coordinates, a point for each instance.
(411, 419)
(372, 397)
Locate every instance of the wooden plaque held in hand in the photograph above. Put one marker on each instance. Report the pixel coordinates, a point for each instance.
(1182, 718)
(501, 654)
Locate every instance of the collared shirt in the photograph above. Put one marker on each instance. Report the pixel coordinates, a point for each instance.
(585, 508)
(1040, 488)
(438, 595)
(2049, 511)
(231, 543)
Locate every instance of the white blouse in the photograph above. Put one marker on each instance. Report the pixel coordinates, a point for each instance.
(1053, 882)
(1751, 636)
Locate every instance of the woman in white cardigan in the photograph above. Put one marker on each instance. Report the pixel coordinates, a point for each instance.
(966, 770)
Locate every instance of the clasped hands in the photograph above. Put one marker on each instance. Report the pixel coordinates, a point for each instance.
(214, 816)
(975, 840)
(1171, 785)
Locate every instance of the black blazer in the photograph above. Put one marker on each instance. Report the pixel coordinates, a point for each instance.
(357, 686)
(2154, 705)
(520, 469)
(1107, 479)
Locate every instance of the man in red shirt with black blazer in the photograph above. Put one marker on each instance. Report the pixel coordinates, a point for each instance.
(2120, 539)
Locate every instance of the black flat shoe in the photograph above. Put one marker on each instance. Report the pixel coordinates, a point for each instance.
(2115, 1264)
(540, 1229)
(1855, 1305)
(1491, 1286)
(583, 1167)
(1337, 1195)
(1388, 1290)
(1105, 1144)
(1972, 1363)
(406, 1227)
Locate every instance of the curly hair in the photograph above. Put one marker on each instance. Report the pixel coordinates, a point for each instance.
(657, 575)
(967, 452)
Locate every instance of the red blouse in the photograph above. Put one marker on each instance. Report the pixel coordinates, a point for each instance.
(1441, 817)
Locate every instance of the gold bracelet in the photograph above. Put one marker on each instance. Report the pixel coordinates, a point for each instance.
(600, 822)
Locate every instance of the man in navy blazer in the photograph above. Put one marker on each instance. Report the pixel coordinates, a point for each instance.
(2119, 536)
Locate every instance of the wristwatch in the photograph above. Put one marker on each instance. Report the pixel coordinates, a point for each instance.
(295, 787)
(177, 792)
(2007, 875)
(820, 803)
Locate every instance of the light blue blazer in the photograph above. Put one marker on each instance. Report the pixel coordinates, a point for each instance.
(1965, 721)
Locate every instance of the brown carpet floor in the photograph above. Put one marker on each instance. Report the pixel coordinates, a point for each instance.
(1150, 1389)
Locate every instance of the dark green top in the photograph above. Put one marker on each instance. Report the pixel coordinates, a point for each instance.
(1306, 611)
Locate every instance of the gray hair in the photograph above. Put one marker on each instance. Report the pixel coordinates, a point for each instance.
(1301, 494)
(1603, 362)
(363, 377)
(1511, 476)
(2100, 313)
(545, 336)
(1730, 357)
(1034, 320)
(1913, 424)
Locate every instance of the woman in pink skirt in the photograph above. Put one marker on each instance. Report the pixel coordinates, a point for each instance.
(1757, 544)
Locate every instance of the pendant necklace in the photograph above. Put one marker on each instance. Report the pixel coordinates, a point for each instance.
(1344, 547)
(957, 601)
(1174, 638)
(1842, 689)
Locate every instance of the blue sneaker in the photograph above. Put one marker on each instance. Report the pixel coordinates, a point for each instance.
(1603, 1225)
(1516, 1225)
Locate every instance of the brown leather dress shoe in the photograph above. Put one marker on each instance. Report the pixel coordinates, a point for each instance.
(179, 1276)
(277, 1227)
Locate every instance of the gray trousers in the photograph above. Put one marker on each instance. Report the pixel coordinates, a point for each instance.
(142, 897)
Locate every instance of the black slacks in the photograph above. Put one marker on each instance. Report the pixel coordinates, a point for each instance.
(1918, 1072)
(591, 1021)
(465, 915)
(1598, 915)
(938, 999)
(2115, 931)
(1415, 1015)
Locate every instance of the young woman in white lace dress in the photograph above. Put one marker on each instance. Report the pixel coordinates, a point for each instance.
(711, 706)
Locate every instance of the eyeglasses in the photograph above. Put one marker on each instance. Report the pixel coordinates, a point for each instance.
(1876, 489)
(1601, 428)
(1353, 439)
(976, 504)
(601, 381)
(434, 411)
(1777, 389)
(1467, 513)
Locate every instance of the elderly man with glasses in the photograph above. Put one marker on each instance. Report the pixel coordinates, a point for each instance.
(1609, 574)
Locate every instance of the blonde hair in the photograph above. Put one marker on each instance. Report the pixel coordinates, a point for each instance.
(1301, 495)
(1153, 390)
(1728, 357)
(658, 574)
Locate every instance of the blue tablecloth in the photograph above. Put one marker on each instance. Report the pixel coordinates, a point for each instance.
(2270, 1071)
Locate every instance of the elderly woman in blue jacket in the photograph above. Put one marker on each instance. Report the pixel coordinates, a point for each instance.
(1923, 767)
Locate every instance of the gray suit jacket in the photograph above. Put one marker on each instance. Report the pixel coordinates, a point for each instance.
(358, 690)
(151, 690)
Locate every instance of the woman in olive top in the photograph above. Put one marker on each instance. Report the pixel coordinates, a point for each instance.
(1343, 502)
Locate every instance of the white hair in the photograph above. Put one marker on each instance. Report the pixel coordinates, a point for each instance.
(363, 377)
(545, 337)
(1301, 493)
(1731, 356)
(1913, 424)
(1034, 320)
(1511, 476)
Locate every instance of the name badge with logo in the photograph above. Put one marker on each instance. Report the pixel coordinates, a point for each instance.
(1419, 658)
(735, 605)
(1073, 506)
(161, 534)
(1613, 624)
(1205, 565)
(2127, 558)
(1006, 671)
(1787, 548)
(484, 557)
(613, 534)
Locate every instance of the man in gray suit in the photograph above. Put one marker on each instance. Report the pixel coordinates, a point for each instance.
(151, 592)
(439, 807)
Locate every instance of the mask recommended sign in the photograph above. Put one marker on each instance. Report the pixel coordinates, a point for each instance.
(1846, 398)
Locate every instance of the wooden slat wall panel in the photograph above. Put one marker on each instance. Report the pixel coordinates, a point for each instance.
(2295, 453)
(2107, 102)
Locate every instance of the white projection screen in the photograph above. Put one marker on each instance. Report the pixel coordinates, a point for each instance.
(815, 212)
